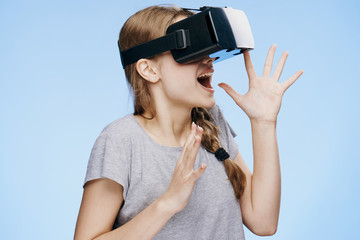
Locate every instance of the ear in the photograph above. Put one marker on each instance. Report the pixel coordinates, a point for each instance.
(148, 70)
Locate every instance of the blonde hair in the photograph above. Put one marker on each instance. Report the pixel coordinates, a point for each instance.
(146, 25)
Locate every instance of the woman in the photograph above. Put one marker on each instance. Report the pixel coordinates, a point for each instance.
(154, 174)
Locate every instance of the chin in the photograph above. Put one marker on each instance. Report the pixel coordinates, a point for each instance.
(208, 104)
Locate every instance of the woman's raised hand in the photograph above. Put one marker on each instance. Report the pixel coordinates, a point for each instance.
(263, 100)
(184, 177)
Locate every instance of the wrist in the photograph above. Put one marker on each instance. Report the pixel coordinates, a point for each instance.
(166, 206)
(263, 122)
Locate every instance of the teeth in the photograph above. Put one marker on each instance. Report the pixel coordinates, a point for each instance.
(205, 75)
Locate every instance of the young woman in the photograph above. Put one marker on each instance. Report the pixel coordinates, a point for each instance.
(172, 169)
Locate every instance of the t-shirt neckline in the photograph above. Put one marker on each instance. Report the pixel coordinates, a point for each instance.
(146, 135)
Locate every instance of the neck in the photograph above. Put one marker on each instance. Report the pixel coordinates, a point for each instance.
(170, 127)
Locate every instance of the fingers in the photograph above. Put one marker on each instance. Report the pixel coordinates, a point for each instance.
(190, 139)
(192, 149)
(231, 92)
(269, 61)
(188, 142)
(199, 171)
(280, 66)
(249, 66)
(286, 84)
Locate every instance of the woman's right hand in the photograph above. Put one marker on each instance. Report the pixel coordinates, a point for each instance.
(184, 177)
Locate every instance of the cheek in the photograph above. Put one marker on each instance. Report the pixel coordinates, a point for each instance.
(178, 87)
(178, 81)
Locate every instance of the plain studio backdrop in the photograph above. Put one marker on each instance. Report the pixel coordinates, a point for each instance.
(61, 83)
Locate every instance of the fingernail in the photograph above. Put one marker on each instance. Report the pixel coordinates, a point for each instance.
(203, 166)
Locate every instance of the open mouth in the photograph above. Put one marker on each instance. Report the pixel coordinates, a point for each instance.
(205, 79)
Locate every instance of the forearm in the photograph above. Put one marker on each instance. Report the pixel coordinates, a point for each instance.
(145, 225)
(266, 179)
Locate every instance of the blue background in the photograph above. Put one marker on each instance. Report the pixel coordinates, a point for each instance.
(61, 82)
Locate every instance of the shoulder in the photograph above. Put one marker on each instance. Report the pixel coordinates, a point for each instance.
(121, 129)
(219, 119)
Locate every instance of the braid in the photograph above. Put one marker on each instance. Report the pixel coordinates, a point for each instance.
(211, 143)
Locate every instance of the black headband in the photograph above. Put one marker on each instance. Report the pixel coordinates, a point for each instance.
(220, 33)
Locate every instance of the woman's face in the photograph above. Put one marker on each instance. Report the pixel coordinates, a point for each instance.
(187, 84)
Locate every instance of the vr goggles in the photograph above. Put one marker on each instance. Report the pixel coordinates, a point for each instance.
(220, 33)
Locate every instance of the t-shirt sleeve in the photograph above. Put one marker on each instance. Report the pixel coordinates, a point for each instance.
(227, 133)
(109, 158)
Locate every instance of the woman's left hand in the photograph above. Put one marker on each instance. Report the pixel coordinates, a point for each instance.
(263, 100)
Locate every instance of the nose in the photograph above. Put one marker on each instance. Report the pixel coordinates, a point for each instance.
(208, 60)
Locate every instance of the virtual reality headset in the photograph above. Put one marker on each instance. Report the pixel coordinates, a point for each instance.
(219, 33)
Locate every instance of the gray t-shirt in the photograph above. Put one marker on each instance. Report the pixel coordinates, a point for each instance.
(125, 153)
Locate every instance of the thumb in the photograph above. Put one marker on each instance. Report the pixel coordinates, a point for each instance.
(232, 93)
(198, 172)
